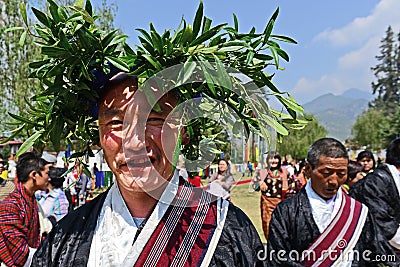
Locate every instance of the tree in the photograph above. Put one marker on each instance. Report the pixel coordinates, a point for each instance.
(376, 127)
(14, 69)
(387, 75)
(370, 129)
(297, 142)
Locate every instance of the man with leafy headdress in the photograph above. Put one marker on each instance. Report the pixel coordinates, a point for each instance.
(179, 83)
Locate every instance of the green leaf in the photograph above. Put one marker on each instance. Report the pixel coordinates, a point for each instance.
(223, 79)
(82, 14)
(249, 57)
(147, 46)
(269, 83)
(41, 17)
(275, 56)
(54, 11)
(236, 23)
(145, 34)
(207, 35)
(283, 54)
(53, 51)
(186, 72)
(108, 38)
(89, 8)
(64, 41)
(230, 48)
(79, 3)
(14, 29)
(61, 13)
(156, 40)
(206, 25)
(22, 39)
(263, 57)
(153, 62)
(56, 132)
(197, 20)
(118, 63)
(14, 132)
(283, 38)
(29, 142)
(22, 7)
(23, 119)
(268, 30)
(291, 104)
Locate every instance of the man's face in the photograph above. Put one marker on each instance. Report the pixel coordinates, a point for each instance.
(42, 178)
(138, 142)
(328, 175)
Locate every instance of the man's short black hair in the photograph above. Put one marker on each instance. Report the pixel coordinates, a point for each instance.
(328, 147)
(28, 162)
(393, 153)
(55, 176)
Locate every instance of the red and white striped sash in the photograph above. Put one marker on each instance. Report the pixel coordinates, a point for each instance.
(340, 237)
(184, 234)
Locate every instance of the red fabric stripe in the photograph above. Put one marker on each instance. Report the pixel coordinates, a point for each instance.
(200, 246)
(330, 238)
(347, 236)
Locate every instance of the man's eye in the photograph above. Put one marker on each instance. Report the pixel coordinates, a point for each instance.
(115, 123)
(155, 121)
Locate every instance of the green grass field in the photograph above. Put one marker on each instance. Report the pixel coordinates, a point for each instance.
(249, 202)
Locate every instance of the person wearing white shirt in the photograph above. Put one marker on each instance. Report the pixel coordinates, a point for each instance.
(322, 226)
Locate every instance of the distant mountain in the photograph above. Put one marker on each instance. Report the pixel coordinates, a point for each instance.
(337, 113)
(354, 93)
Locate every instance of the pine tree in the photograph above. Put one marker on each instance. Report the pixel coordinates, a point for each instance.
(387, 74)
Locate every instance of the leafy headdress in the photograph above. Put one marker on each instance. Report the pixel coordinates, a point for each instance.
(78, 57)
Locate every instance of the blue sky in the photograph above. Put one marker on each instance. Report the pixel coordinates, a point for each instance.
(337, 40)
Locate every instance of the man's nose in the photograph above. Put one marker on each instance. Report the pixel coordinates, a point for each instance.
(333, 180)
(134, 135)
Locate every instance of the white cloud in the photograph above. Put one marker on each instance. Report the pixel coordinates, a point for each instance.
(353, 69)
(359, 30)
(308, 89)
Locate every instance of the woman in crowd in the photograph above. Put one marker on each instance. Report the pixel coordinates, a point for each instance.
(273, 183)
(221, 182)
(366, 158)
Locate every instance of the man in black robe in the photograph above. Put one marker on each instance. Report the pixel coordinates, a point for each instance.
(379, 190)
(203, 230)
(321, 225)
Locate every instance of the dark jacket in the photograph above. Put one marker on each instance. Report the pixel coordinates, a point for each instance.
(68, 244)
(293, 229)
(378, 191)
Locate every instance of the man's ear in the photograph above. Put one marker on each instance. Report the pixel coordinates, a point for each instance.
(185, 138)
(32, 175)
(308, 170)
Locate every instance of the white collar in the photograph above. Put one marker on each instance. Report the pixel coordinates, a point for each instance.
(116, 229)
(323, 210)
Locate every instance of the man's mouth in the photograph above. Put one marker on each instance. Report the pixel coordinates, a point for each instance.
(139, 163)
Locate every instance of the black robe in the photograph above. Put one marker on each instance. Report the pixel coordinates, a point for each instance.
(68, 244)
(293, 228)
(378, 191)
